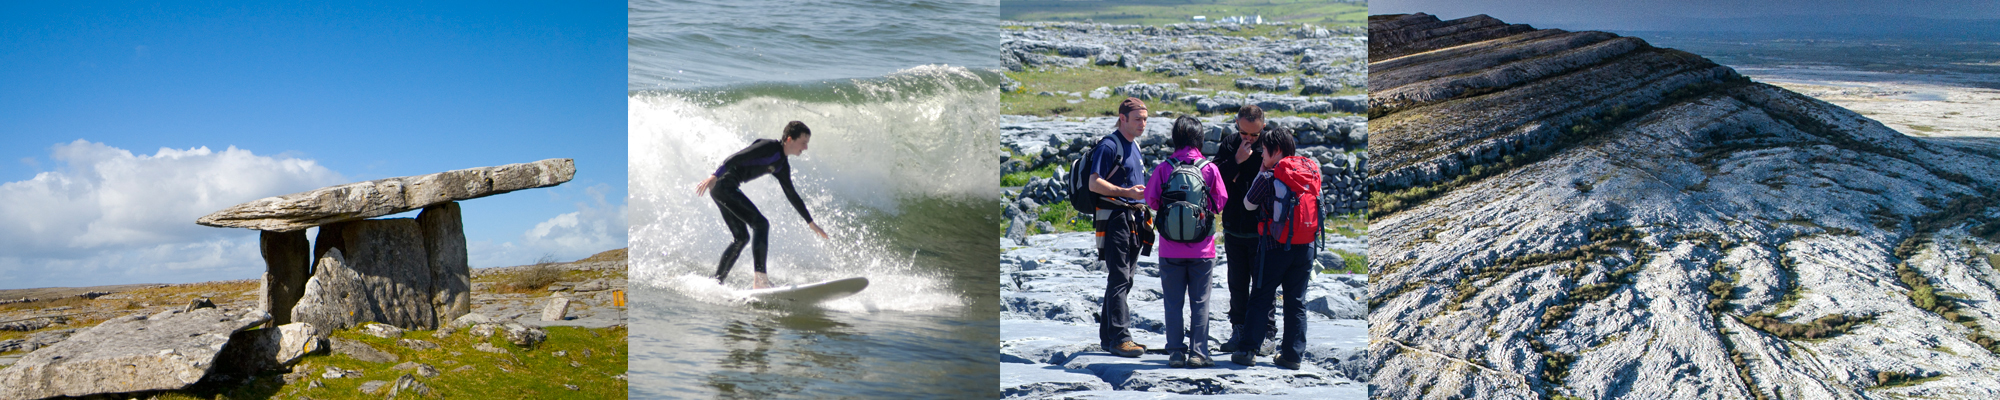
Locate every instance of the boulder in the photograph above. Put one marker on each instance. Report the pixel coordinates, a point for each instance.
(287, 265)
(164, 351)
(360, 351)
(557, 310)
(382, 331)
(361, 200)
(521, 335)
(332, 298)
(409, 385)
(444, 247)
(268, 349)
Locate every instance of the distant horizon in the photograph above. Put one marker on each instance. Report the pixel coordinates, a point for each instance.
(1979, 18)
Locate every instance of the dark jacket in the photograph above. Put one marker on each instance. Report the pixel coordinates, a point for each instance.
(764, 156)
(1237, 177)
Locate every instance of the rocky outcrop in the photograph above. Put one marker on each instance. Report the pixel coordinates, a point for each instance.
(1581, 215)
(1050, 291)
(164, 351)
(1323, 61)
(380, 197)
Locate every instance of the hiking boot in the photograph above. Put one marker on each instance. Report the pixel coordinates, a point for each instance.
(1243, 358)
(1127, 349)
(1281, 362)
(1235, 335)
(1178, 360)
(1197, 360)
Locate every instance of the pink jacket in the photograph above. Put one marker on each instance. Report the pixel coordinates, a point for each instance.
(1218, 195)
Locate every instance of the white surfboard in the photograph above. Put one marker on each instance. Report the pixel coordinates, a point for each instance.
(810, 293)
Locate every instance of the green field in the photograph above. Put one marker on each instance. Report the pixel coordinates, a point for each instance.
(1162, 12)
(1028, 100)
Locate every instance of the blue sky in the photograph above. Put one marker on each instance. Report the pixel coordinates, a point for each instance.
(118, 119)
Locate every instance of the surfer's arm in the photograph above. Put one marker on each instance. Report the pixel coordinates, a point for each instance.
(784, 176)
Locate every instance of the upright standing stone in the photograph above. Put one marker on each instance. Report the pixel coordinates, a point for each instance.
(395, 274)
(287, 265)
(444, 246)
(333, 298)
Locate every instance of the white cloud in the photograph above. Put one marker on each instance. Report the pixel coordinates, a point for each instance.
(594, 227)
(106, 215)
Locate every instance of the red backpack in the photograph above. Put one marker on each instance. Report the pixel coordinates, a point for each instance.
(1301, 222)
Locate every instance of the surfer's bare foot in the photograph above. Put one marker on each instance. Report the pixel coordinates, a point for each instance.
(760, 282)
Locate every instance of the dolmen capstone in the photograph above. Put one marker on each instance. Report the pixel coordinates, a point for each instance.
(409, 273)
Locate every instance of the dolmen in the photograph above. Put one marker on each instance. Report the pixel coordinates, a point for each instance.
(409, 273)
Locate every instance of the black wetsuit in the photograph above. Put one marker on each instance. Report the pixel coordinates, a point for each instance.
(764, 156)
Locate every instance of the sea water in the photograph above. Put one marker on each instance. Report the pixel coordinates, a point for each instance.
(900, 172)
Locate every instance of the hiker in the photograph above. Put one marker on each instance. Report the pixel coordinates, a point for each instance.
(1187, 191)
(1286, 196)
(763, 156)
(1239, 162)
(1113, 165)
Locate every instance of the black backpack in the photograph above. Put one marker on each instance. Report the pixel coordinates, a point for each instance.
(1080, 196)
(1185, 218)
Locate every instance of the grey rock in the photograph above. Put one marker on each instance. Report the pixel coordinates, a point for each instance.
(372, 387)
(471, 319)
(488, 347)
(421, 369)
(333, 297)
(590, 286)
(359, 351)
(257, 350)
(408, 385)
(1029, 380)
(381, 330)
(557, 310)
(380, 197)
(521, 335)
(198, 303)
(389, 257)
(165, 351)
(287, 263)
(444, 250)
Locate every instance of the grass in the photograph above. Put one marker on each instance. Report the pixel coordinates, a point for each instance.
(1063, 217)
(1924, 128)
(1162, 12)
(521, 373)
(1356, 263)
(1022, 178)
(1352, 225)
(1028, 101)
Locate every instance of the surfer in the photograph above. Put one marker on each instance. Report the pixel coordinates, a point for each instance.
(1113, 174)
(762, 157)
